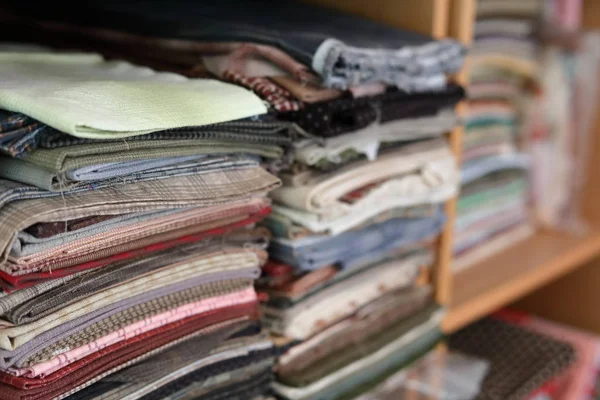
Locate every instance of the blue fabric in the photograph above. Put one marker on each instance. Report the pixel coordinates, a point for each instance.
(356, 247)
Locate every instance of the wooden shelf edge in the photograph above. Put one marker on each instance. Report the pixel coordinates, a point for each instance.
(507, 291)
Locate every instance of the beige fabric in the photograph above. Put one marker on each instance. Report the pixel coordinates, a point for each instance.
(431, 163)
(11, 337)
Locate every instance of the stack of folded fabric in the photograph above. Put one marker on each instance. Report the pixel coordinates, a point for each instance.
(346, 292)
(492, 210)
(128, 204)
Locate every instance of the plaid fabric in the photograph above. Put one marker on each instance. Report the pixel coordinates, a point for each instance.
(79, 244)
(18, 133)
(14, 336)
(98, 280)
(45, 230)
(212, 304)
(15, 282)
(112, 358)
(14, 357)
(131, 315)
(117, 385)
(279, 98)
(14, 299)
(208, 189)
(232, 323)
(73, 157)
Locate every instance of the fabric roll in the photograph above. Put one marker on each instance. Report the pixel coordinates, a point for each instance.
(124, 96)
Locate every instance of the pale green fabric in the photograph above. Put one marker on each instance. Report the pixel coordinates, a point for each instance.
(88, 97)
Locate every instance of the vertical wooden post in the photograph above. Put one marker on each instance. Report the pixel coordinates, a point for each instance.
(461, 25)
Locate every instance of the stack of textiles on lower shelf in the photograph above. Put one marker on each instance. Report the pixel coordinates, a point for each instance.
(129, 248)
(493, 206)
(347, 294)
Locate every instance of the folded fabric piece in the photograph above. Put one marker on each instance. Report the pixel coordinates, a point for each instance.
(217, 369)
(332, 363)
(141, 247)
(102, 278)
(368, 321)
(20, 134)
(520, 360)
(353, 247)
(388, 357)
(343, 299)
(295, 287)
(120, 382)
(317, 37)
(478, 168)
(114, 315)
(421, 173)
(335, 117)
(285, 228)
(368, 140)
(495, 245)
(28, 250)
(53, 169)
(69, 356)
(117, 356)
(44, 352)
(176, 192)
(123, 96)
(13, 336)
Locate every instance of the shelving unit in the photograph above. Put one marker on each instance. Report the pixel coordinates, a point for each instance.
(527, 266)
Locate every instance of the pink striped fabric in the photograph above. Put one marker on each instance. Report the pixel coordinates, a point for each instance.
(187, 310)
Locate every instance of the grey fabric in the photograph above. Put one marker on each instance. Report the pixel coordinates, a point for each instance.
(27, 244)
(31, 174)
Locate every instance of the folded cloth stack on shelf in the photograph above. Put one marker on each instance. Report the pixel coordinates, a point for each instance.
(528, 359)
(493, 207)
(346, 288)
(128, 204)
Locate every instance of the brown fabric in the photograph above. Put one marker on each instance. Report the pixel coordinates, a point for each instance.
(371, 320)
(306, 92)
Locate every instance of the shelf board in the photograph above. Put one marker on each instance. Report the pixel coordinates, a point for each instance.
(515, 272)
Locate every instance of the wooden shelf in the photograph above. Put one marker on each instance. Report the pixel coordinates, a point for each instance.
(509, 275)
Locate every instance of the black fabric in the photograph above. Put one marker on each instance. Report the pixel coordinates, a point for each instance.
(293, 26)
